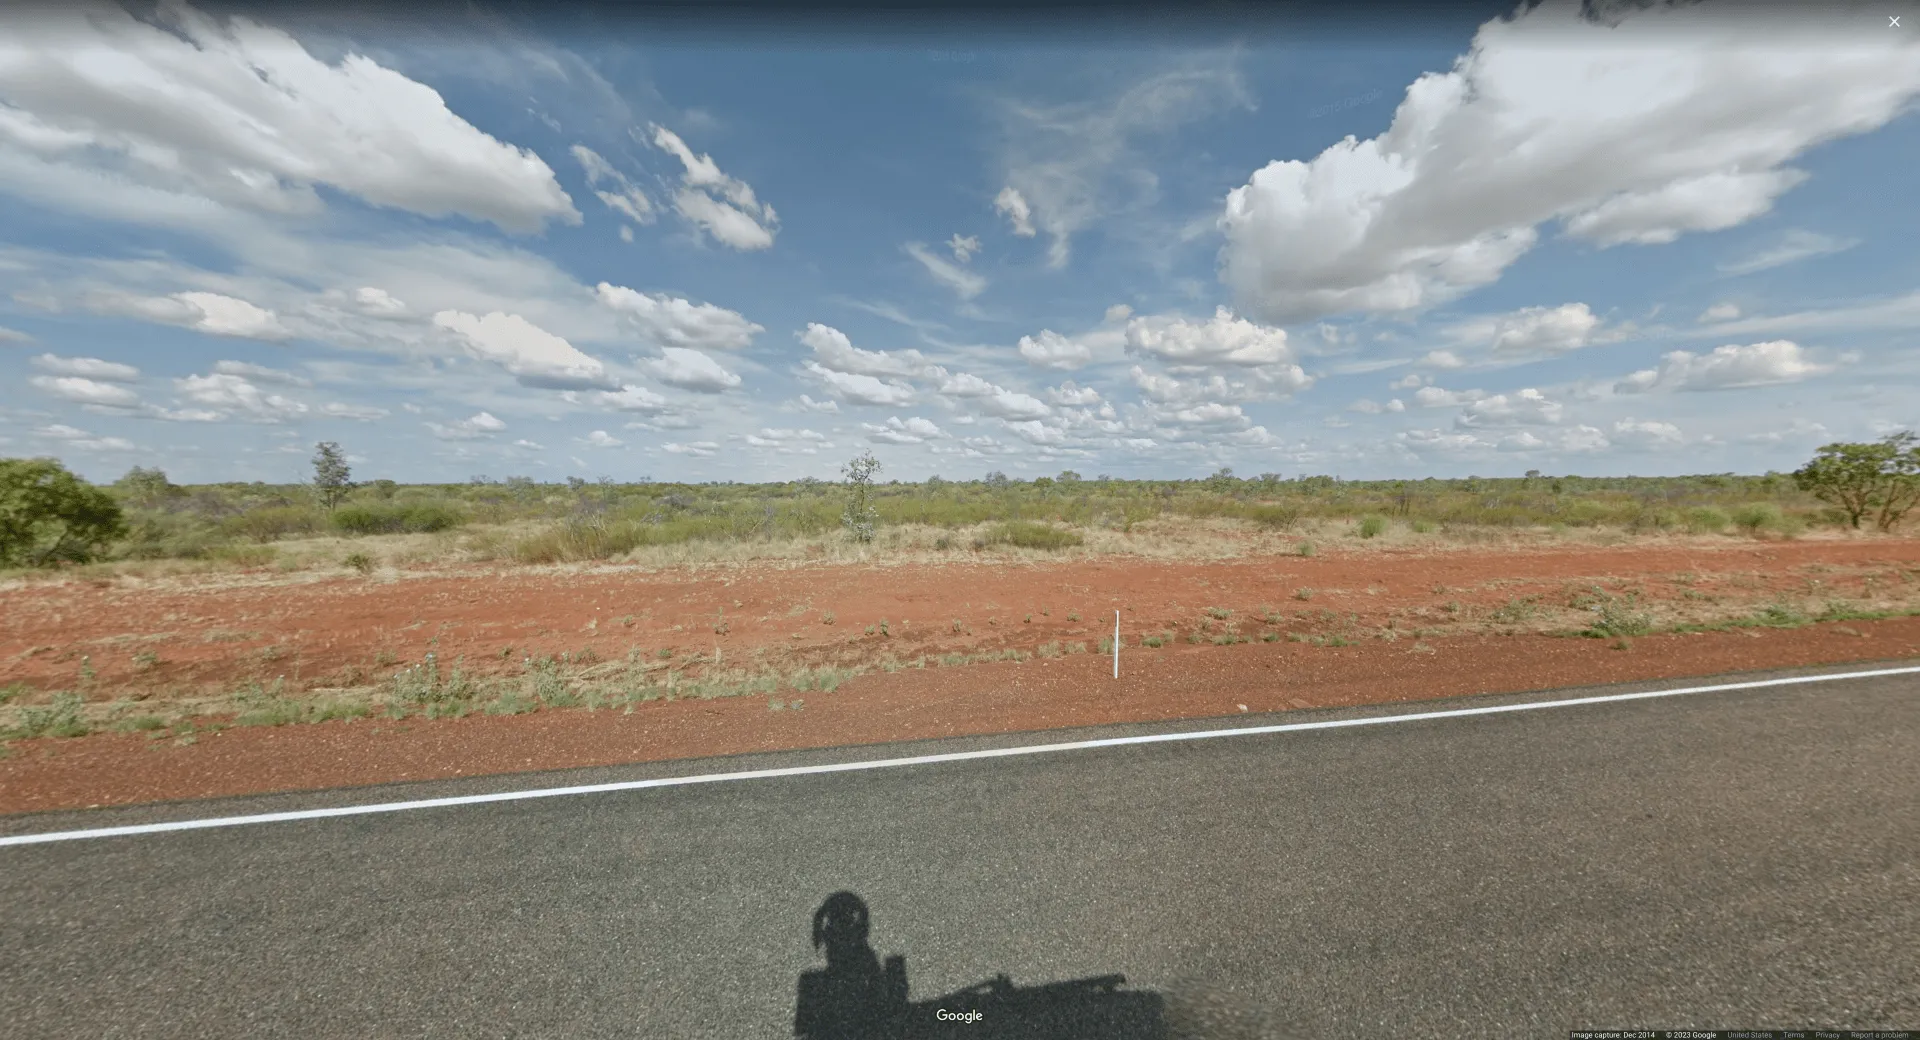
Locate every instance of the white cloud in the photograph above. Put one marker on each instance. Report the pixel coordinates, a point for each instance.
(723, 206)
(963, 247)
(1801, 428)
(1409, 381)
(376, 302)
(192, 109)
(233, 395)
(632, 398)
(1531, 330)
(832, 349)
(624, 198)
(1523, 408)
(259, 373)
(531, 354)
(1794, 246)
(1367, 407)
(824, 407)
(1221, 340)
(964, 283)
(603, 439)
(208, 312)
(789, 441)
(1069, 394)
(1443, 359)
(1674, 120)
(1014, 205)
(673, 322)
(1726, 368)
(1050, 349)
(84, 441)
(529, 445)
(359, 413)
(8, 335)
(87, 368)
(991, 398)
(858, 388)
(81, 390)
(691, 370)
(471, 428)
(898, 431)
(1437, 397)
(1034, 431)
(1648, 435)
(1720, 312)
(695, 449)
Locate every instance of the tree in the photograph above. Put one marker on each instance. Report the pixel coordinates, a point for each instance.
(331, 475)
(49, 516)
(860, 518)
(1881, 479)
(145, 487)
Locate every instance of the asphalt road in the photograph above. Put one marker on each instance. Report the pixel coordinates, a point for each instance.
(1746, 858)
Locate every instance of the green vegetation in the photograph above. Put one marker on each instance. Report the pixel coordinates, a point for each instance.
(48, 517)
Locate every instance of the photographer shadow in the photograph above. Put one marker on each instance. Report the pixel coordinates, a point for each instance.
(855, 997)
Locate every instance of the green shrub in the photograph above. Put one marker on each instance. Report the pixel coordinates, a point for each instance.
(1373, 525)
(49, 516)
(1706, 520)
(1759, 516)
(397, 517)
(1026, 534)
(1274, 518)
(269, 523)
(361, 562)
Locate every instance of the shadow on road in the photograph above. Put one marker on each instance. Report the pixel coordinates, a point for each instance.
(856, 998)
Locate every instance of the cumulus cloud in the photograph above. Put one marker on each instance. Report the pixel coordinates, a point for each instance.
(473, 427)
(1050, 349)
(691, 370)
(1014, 206)
(1531, 330)
(8, 335)
(988, 397)
(902, 431)
(963, 247)
(1726, 368)
(208, 312)
(724, 207)
(1367, 407)
(1437, 397)
(1674, 120)
(185, 106)
(531, 354)
(603, 439)
(1648, 435)
(832, 349)
(259, 373)
(378, 303)
(81, 390)
(673, 322)
(1522, 408)
(823, 407)
(964, 283)
(632, 398)
(87, 368)
(857, 388)
(694, 449)
(356, 412)
(234, 396)
(1444, 359)
(1070, 394)
(1221, 340)
(789, 441)
(620, 194)
(1720, 312)
(82, 440)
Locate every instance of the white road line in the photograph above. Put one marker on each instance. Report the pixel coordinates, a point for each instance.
(918, 760)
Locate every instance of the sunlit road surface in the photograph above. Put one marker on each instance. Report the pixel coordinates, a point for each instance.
(1739, 858)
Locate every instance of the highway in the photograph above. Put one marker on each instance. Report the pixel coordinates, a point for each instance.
(1741, 858)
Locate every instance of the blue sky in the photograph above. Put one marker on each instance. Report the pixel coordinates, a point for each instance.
(1680, 243)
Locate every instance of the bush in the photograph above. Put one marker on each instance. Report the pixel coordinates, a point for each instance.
(1706, 520)
(1026, 534)
(270, 523)
(1759, 516)
(361, 562)
(1274, 518)
(397, 517)
(1373, 526)
(49, 516)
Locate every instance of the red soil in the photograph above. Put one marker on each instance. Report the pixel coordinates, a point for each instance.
(330, 632)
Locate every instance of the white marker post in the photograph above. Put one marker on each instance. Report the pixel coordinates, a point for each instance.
(1116, 644)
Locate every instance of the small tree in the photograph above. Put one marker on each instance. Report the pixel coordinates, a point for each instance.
(860, 518)
(48, 515)
(331, 475)
(145, 487)
(1881, 479)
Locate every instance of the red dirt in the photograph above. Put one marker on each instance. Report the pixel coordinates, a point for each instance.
(1191, 682)
(330, 632)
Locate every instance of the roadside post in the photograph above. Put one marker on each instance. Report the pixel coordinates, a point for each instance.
(1116, 644)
